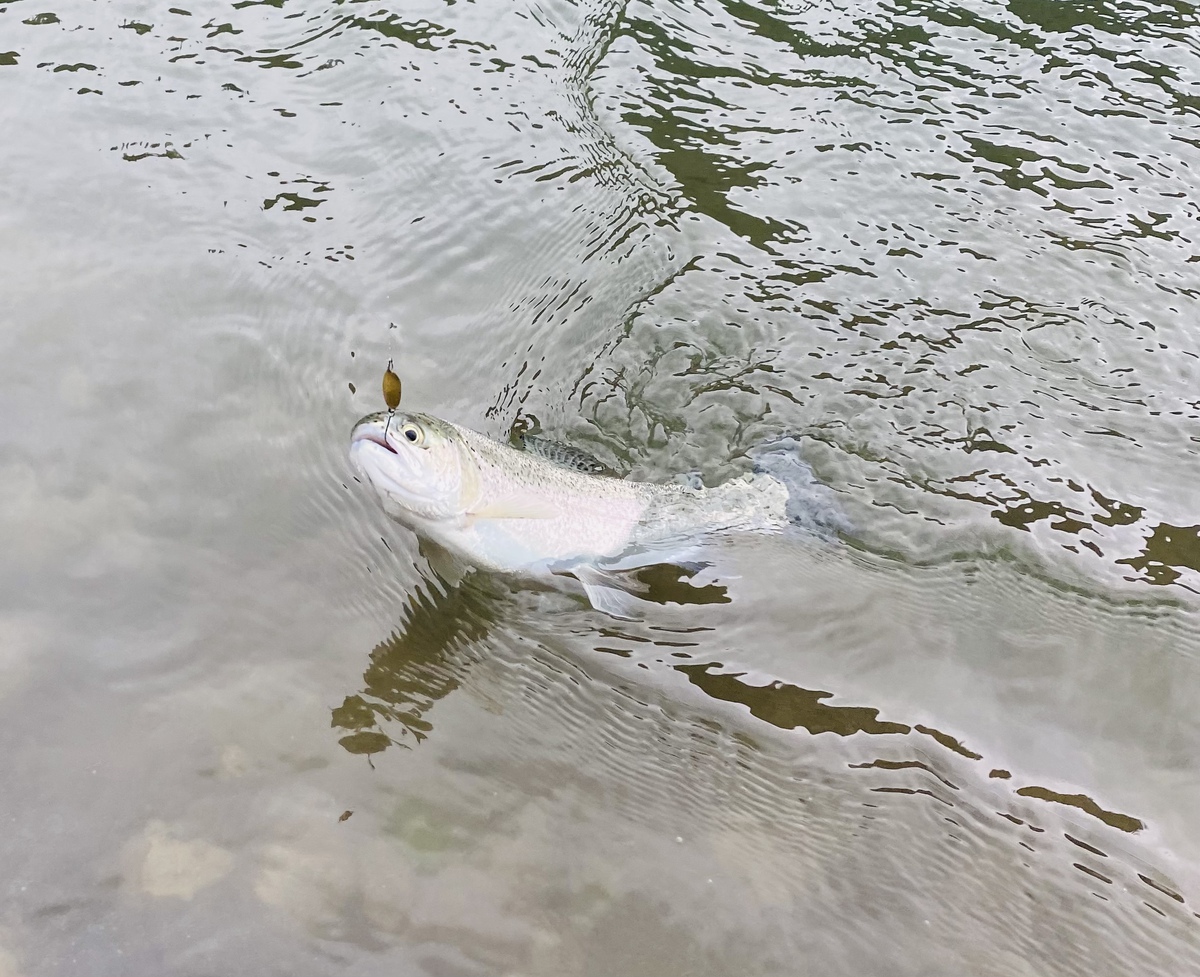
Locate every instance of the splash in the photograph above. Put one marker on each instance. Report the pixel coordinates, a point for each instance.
(812, 505)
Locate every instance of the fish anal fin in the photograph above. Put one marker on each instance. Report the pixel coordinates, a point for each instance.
(607, 592)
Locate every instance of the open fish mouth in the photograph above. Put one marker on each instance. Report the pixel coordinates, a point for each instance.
(367, 433)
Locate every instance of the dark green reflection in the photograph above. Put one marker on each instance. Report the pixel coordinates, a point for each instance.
(414, 668)
(1168, 549)
(706, 161)
(669, 585)
(420, 34)
(1027, 511)
(792, 707)
(423, 661)
(1055, 15)
(787, 706)
(1084, 803)
(1064, 16)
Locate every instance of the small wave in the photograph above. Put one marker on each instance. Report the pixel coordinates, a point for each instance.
(811, 503)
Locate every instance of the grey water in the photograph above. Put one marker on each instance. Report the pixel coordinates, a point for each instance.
(951, 250)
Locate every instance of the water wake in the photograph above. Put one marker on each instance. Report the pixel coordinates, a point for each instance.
(812, 505)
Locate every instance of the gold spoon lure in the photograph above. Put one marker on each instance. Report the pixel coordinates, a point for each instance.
(391, 394)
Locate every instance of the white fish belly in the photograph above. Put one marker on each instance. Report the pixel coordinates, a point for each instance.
(588, 529)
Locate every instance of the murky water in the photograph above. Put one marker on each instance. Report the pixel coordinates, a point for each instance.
(953, 250)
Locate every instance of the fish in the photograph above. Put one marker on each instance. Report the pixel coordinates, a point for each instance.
(475, 502)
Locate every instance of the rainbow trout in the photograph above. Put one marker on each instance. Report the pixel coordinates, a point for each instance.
(493, 507)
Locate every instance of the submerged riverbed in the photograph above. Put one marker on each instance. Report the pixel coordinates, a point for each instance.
(951, 250)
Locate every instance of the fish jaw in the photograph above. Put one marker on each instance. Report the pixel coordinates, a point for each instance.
(370, 459)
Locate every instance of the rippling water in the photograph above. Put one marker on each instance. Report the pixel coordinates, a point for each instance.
(951, 249)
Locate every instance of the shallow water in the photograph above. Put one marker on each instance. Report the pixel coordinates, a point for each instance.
(951, 250)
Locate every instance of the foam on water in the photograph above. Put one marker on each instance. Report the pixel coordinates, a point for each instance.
(811, 504)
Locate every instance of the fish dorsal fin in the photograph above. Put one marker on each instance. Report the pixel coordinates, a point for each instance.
(606, 592)
(512, 507)
(566, 455)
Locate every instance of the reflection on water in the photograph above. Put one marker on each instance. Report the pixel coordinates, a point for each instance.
(641, 740)
(1169, 550)
(788, 706)
(950, 250)
(421, 664)
(950, 403)
(413, 669)
(417, 665)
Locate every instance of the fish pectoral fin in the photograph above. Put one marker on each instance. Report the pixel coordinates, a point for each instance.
(607, 592)
(514, 508)
(444, 563)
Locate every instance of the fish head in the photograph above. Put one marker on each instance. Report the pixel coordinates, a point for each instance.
(419, 465)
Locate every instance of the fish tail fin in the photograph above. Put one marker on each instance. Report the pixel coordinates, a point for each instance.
(811, 504)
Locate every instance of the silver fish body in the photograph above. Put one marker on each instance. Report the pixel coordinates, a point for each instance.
(496, 508)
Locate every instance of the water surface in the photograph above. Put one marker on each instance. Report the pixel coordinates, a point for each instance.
(951, 249)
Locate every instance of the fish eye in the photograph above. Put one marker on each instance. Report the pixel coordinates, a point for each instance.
(412, 433)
